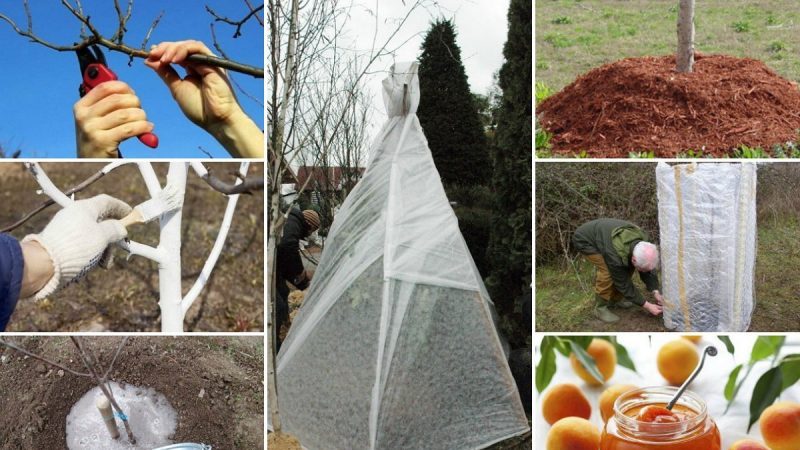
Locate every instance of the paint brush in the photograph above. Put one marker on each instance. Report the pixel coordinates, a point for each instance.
(169, 199)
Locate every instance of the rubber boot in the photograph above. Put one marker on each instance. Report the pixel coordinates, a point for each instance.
(604, 314)
(624, 304)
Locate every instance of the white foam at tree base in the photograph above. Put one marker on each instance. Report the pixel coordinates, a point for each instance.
(152, 419)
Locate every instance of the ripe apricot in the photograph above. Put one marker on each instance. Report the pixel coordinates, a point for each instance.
(780, 426)
(693, 338)
(605, 357)
(609, 396)
(573, 433)
(565, 400)
(677, 360)
(748, 444)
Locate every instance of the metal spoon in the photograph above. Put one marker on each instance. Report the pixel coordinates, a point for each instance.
(710, 350)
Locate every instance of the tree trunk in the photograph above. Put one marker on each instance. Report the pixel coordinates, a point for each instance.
(685, 56)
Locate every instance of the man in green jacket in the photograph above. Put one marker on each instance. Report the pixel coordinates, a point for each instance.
(617, 249)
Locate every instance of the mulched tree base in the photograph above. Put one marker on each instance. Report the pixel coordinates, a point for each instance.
(642, 104)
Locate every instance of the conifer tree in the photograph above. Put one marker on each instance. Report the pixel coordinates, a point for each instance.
(447, 111)
(509, 251)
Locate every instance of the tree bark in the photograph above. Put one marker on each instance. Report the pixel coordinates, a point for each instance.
(685, 56)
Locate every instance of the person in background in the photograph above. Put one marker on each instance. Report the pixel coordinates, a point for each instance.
(112, 113)
(617, 249)
(74, 242)
(289, 265)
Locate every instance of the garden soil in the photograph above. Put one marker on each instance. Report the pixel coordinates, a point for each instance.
(125, 297)
(642, 104)
(228, 370)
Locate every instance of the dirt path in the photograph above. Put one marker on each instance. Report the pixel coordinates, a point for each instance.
(229, 371)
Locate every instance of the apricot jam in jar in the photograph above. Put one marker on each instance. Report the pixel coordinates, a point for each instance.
(642, 422)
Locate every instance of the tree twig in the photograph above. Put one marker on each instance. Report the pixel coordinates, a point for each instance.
(77, 188)
(247, 186)
(115, 44)
(15, 347)
(237, 23)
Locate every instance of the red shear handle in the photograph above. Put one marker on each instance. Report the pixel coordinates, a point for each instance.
(96, 74)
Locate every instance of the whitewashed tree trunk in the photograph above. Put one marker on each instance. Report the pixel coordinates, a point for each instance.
(685, 55)
(173, 304)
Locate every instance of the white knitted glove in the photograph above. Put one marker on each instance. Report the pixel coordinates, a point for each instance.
(78, 236)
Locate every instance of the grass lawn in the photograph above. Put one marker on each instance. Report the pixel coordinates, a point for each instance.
(564, 305)
(574, 36)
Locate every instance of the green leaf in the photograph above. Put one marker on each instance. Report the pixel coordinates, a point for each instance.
(790, 370)
(587, 362)
(728, 344)
(561, 346)
(732, 383)
(765, 347)
(767, 389)
(582, 341)
(547, 365)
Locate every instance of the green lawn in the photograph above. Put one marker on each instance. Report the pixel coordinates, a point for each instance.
(563, 304)
(574, 36)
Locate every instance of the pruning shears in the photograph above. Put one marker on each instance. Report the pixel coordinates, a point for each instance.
(94, 71)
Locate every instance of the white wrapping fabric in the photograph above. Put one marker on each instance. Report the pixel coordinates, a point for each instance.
(707, 221)
(395, 346)
(709, 385)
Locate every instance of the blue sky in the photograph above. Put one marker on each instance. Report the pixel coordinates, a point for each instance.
(38, 86)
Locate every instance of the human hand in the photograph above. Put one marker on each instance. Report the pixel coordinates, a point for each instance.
(77, 236)
(205, 96)
(106, 116)
(653, 308)
(659, 298)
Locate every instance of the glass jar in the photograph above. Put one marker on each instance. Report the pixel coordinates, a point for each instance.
(693, 428)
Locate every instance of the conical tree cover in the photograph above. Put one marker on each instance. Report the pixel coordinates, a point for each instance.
(395, 346)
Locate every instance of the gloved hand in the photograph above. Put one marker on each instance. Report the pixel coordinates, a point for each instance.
(77, 237)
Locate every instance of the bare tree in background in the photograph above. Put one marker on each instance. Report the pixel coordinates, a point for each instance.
(311, 78)
(685, 55)
(91, 35)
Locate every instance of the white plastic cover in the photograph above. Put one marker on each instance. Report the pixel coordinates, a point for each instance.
(707, 221)
(395, 346)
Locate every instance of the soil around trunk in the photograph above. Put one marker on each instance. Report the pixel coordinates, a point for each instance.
(642, 104)
(214, 383)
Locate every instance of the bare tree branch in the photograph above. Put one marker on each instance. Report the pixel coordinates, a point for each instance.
(15, 347)
(116, 43)
(237, 23)
(247, 186)
(77, 188)
(116, 354)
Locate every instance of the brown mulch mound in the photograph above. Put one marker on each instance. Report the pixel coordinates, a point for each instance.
(642, 104)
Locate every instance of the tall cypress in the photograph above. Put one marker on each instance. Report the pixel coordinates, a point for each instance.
(509, 250)
(447, 112)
